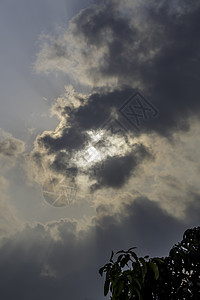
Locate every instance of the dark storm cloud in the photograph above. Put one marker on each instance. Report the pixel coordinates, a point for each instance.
(116, 170)
(99, 108)
(103, 26)
(170, 77)
(38, 267)
(141, 223)
(41, 263)
(93, 22)
(70, 139)
(61, 164)
(93, 115)
(156, 47)
(173, 77)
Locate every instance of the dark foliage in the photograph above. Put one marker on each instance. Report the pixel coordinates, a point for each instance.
(176, 276)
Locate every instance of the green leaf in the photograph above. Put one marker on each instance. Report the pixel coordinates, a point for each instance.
(101, 271)
(130, 278)
(111, 258)
(154, 268)
(121, 285)
(132, 248)
(120, 257)
(138, 283)
(134, 255)
(144, 267)
(115, 283)
(106, 287)
(131, 289)
(138, 293)
(159, 260)
(125, 260)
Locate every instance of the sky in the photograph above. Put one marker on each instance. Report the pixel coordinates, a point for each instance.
(99, 138)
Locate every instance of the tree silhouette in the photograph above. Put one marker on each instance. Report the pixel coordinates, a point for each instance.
(176, 276)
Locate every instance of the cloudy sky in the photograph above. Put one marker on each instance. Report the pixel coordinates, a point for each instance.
(99, 138)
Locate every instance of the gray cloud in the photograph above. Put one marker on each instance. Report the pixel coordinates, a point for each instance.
(116, 171)
(111, 48)
(113, 51)
(158, 53)
(173, 91)
(11, 150)
(48, 261)
(11, 147)
(148, 48)
(67, 150)
(70, 139)
(193, 207)
(9, 223)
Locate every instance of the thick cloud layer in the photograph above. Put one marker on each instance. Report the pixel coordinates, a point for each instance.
(89, 136)
(115, 48)
(155, 48)
(61, 261)
(141, 153)
(117, 170)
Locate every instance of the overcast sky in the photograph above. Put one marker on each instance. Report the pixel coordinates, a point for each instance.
(99, 138)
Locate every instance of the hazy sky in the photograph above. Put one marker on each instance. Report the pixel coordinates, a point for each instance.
(99, 138)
